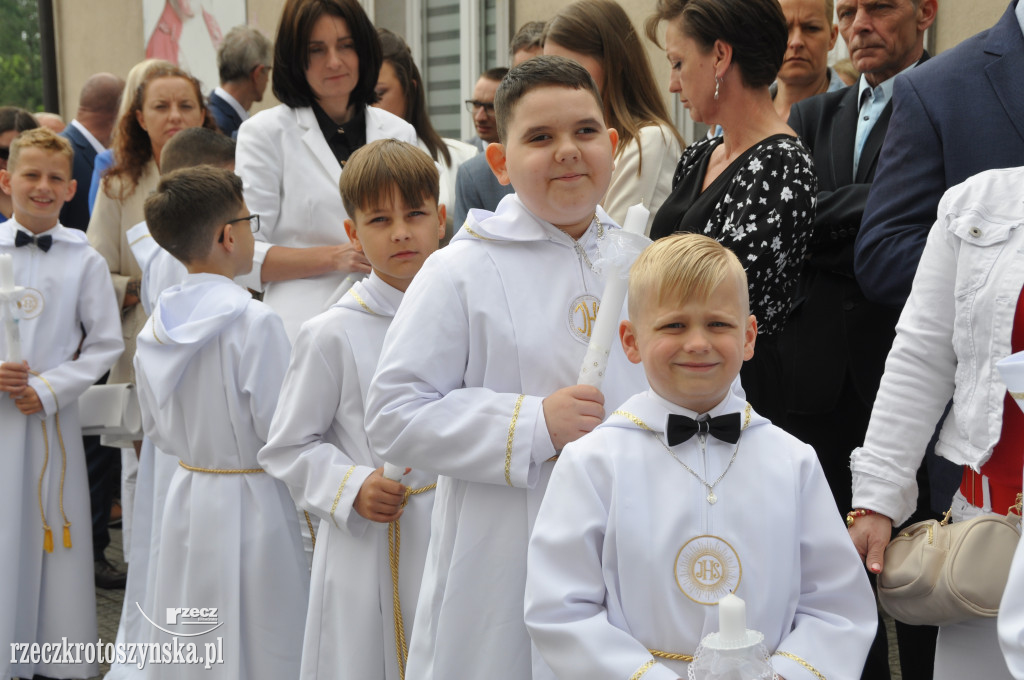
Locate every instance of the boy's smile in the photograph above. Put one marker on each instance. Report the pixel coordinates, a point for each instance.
(558, 156)
(39, 186)
(692, 351)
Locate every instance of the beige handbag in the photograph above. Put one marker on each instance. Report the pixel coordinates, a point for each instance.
(937, 573)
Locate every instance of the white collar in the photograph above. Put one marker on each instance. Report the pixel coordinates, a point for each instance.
(223, 94)
(95, 143)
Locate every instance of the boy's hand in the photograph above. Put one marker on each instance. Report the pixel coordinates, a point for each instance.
(28, 402)
(380, 499)
(345, 258)
(13, 377)
(571, 412)
(870, 534)
(131, 294)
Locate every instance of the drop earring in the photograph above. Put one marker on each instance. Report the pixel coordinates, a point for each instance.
(718, 84)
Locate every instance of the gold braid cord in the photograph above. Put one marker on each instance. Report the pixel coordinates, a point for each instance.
(394, 551)
(511, 439)
(312, 534)
(47, 532)
(215, 471)
(809, 667)
(670, 656)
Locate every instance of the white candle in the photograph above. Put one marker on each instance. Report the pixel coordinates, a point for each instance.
(732, 620)
(6, 272)
(393, 472)
(606, 325)
(9, 304)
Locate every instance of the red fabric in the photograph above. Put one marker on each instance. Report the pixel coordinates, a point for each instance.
(1007, 462)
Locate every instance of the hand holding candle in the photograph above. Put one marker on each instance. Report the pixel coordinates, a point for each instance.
(623, 248)
(9, 294)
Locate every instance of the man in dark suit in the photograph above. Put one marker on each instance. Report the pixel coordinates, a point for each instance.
(89, 134)
(957, 115)
(243, 61)
(836, 341)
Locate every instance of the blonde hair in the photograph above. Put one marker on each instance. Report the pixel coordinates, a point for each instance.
(380, 167)
(43, 139)
(679, 268)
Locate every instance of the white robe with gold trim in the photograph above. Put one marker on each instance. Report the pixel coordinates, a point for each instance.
(209, 367)
(613, 572)
(318, 447)
(47, 596)
(493, 323)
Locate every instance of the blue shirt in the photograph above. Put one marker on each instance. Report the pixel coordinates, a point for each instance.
(872, 101)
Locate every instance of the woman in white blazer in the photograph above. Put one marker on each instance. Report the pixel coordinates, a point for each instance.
(326, 60)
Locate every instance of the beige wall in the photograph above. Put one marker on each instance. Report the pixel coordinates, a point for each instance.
(95, 36)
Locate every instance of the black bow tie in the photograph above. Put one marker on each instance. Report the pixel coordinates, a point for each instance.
(43, 242)
(725, 427)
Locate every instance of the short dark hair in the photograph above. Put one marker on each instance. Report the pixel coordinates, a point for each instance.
(291, 50)
(497, 73)
(196, 146)
(243, 49)
(755, 29)
(541, 71)
(529, 36)
(377, 169)
(189, 206)
(14, 118)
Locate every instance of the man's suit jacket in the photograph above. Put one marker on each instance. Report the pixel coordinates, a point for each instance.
(227, 118)
(75, 213)
(833, 329)
(477, 187)
(957, 115)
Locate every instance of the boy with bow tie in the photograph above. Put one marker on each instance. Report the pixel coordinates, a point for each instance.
(70, 335)
(685, 495)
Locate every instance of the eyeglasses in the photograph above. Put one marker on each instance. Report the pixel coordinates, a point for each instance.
(254, 224)
(473, 106)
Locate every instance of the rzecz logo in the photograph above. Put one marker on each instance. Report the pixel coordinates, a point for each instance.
(202, 617)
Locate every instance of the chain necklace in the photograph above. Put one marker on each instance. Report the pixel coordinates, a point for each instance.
(582, 253)
(711, 497)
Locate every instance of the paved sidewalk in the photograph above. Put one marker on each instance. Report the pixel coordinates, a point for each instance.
(108, 602)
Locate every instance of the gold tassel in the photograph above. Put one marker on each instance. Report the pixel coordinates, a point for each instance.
(67, 535)
(47, 540)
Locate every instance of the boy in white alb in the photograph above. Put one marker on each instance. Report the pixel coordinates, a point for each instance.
(209, 367)
(160, 271)
(477, 377)
(371, 529)
(685, 495)
(69, 332)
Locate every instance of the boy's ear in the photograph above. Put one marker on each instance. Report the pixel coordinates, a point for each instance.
(613, 135)
(72, 188)
(495, 154)
(749, 337)
(228, 241)
(5, 181)
(350, 229)
(627, 336)
(442, 218)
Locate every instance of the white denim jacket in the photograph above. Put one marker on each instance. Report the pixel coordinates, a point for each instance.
(956, 325)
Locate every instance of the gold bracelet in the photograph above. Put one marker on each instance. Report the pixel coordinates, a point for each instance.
(852, 515)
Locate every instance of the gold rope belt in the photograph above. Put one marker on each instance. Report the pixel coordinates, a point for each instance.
(47, 532)
(214, 471)
(394, 548)
(670, 656)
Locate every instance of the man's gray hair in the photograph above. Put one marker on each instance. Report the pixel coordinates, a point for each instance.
(243, 49)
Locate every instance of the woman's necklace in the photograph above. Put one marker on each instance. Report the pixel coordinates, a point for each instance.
(582, 253)
(711, 497)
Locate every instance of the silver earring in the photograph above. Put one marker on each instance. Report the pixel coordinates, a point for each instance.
(718, 84)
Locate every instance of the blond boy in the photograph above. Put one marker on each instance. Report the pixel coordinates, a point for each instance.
(69, 338)
(372, 530)
(685, 495)
(477, 379)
